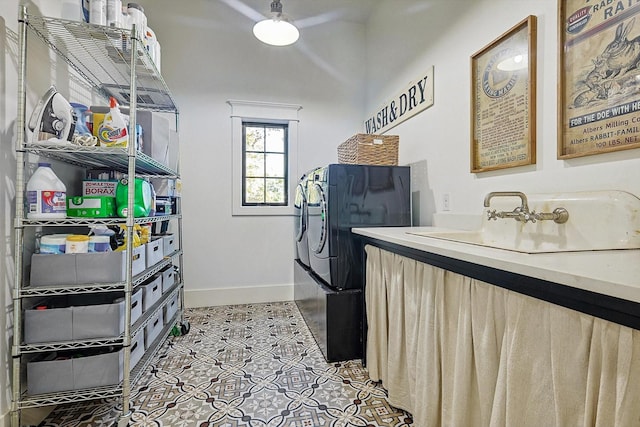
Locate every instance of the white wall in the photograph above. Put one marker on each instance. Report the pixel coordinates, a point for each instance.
(406, 36)
(209, 55)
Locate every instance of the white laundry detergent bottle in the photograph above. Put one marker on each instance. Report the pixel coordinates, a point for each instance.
(46, 194)
(113, 131)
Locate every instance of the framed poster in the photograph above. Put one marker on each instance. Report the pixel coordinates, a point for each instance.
(503, 100)
(599, 99)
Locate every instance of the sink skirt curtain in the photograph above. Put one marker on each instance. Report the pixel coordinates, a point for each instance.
(455, 351)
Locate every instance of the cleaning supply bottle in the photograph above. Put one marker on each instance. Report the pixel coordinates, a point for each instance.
(46, 194)
(141, 201)
(113, 131)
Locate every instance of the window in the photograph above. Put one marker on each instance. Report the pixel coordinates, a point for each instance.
(264, 171)
(264, 157)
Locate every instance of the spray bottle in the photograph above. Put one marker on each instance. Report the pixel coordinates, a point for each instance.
(113, 130)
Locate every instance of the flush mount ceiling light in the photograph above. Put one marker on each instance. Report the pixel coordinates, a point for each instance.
(277, 30)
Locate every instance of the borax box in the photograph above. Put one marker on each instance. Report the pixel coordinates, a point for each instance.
(99, 188)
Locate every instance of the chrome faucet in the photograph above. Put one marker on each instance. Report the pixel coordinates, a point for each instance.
(521, 213)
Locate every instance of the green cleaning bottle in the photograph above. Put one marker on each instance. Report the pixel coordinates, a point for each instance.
(142, 198)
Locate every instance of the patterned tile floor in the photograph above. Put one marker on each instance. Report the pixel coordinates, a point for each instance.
(254, 365)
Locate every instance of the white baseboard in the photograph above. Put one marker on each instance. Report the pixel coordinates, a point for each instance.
(237, 295)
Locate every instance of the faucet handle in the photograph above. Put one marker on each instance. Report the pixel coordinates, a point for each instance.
(491, 214)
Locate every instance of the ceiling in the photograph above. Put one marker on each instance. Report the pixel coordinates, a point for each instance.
(313, 12)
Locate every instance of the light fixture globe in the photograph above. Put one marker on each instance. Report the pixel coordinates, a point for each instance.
(276, 31)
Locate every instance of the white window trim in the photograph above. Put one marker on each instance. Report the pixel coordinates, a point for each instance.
(263, 112)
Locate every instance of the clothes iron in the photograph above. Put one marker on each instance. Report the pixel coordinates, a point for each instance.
(53, 120)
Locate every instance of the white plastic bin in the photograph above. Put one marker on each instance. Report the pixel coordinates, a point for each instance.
(153, 328)
(152, 291)
(168, 278)
(154, 252)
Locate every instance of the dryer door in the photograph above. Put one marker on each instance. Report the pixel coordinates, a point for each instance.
(300, 208)
(318, 219)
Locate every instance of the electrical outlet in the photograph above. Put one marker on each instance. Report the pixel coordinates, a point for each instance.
(446, 202)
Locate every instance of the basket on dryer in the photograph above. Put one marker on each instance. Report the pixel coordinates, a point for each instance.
(369, 149)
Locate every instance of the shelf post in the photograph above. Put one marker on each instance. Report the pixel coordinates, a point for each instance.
(131, 151)
(18, 225)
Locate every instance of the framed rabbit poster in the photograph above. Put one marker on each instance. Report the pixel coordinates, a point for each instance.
(503, 100)
(599, 59)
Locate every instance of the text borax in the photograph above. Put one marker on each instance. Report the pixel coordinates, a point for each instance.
(415, 98)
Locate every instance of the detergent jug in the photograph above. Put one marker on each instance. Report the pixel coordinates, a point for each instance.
(142, 197)
(46, 194)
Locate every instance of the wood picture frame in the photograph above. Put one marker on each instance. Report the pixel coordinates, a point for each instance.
(599, 91)
(503, 100)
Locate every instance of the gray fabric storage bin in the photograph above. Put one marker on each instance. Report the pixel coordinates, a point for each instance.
(52, 269)
(105, 267)
(50, 325)
(154, 252)
(79, 317)
(96, 371)
(73, 373)
(100, 316)
(98, 321)
(96, 267)
(168, 278)
(49, 376)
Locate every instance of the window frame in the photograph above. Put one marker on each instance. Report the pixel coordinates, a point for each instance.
(284, 152)
(262, 112)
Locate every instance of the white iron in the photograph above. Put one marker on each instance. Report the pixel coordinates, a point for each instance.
(53, 120)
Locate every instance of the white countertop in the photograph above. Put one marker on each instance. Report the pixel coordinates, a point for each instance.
(610, 272)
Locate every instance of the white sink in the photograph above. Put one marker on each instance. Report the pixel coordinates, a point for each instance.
(599, 220)
(479, 238)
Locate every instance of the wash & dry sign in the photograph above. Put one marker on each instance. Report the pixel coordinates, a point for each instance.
(414, 98)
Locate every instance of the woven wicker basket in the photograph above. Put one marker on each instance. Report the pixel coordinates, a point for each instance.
(368, 149)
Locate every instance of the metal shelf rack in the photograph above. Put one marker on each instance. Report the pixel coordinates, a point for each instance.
(114, 63)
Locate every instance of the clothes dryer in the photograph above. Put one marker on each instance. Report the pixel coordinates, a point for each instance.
(301, 218)
(346, 196)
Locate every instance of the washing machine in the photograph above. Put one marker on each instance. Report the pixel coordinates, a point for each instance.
(301, 218)
(342, 197)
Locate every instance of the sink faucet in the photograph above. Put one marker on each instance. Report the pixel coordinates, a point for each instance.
(521, 213)
(524, 206)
